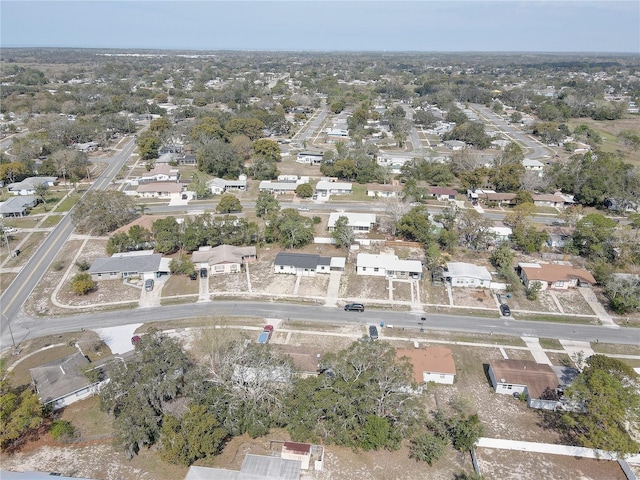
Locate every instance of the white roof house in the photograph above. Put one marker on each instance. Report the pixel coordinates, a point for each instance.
(359, 222)
(28, 185)
(385, 265)
(334, 188)
(532, 164)
(462, 274)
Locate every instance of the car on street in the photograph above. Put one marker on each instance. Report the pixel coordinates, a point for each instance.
(373, 332)
(505, 311)
(354, 307)
(303, 209)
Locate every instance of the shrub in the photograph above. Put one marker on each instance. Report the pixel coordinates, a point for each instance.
(61, 429)
(57, 266)
(83, 265)
(82, 284)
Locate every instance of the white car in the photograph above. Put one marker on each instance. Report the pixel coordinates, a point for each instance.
(303, 209)
(9, 229)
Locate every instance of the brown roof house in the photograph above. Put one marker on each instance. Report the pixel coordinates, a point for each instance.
(432, 364)
(538, 382)
(554, 276)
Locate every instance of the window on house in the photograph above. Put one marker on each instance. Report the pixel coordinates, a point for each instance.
(219, 268)
(376, 269)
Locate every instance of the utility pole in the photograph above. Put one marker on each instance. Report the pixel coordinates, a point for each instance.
(10, 331)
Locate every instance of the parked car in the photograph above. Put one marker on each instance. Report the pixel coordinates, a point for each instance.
(135, 340)
(203, 273)
(505, 310)
(354, 307)
(193, 276)
(373, 332)
(148, 284)
(269, 329)
(13, 230)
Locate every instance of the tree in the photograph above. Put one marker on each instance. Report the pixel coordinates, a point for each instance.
(512, 154)
(290, 229)
(196, 435)
(533, 290)
(267, 149)
(623, 294)
(502, 257)
(12, 171)
(100, 212)
(304, 190)
(19, 411)
(474, 230)
(592, 237)
(220, 159)
(228, 203)
(415, 226)
(266, 204)
(427, 447)
(608, 390)
(342, 232)
(140, 390)
(182, 265)
(166, 232)
(42, 191)
(148, 145)
(82, 284)
(250, 127)
(630, 139)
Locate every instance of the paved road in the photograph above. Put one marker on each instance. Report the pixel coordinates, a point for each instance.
(534, 149)
(16, 294)
(37, 327)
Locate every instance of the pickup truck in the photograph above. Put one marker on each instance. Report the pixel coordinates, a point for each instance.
(265, 336)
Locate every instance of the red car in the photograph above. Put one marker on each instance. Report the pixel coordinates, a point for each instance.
(268, 328)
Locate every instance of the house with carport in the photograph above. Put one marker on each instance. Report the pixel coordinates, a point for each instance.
(28, 185)
(431, 364)
(142, 263)
(18, 206)
(218, 186)
(326, 188)
(223, 258)
(537, 382)
(389, 266)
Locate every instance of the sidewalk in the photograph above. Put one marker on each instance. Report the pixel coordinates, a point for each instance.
(550, 448)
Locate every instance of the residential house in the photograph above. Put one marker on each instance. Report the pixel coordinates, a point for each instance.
(533, 380)
(556, 200)
(63, 382)
(337, 132)
(223, 258)
(533, 165)
(254, 467)
(307, 265)
(160, 190)
(219, 186)
(87, 147)
(358, 222)
(558, 240)
(160, 173)
(461, 274)
(501, 233)
(389, 266)
(455, 144)
(442, 194)
(326, 188)
(187, 159)
(310, 157)
(28, 185)
(554, 276)
(143, 263)
(378, 190)
(432, 364)
(18, 206)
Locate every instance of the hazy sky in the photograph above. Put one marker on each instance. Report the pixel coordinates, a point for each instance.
(391, 25)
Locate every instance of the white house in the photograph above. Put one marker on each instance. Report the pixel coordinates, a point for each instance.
(462, 274)
(390, 266)
(378, 190)
(359, 222)
(28, 185)
(223, 258)
(534, 165)
(220, 185)
(306, 265)
(432, 364)
(159, 190)
(325, 188)
(310, 158)
(142, 263)
(63, 382)
(554, 276)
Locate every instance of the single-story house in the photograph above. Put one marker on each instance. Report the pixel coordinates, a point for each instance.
(455, 144)
(306, 264)
(534, 165)
(385, 191)
(385, 265)
(63, 382)
(219, 185)
(551, 200)
(443, 194)
(432, 364)
(462, 274)
(359, 222)
(223, 258)
(187, 159)
(277, 187)
(302, 452)
(254, 467)
(333, 188)
(143, 263)
(18, 206)
(501, 233)
(160, 173)
(338, 132)
(28, 185)
(310, 158)
(87, 146)
(159, 189)
(525, 377)
(554, 276)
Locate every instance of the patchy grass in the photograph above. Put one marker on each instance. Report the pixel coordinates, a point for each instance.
(560, 359)
(615, 348)
(518, 354)
(550, 343)
(67, 203)
(180, 285)
(21, 375)
(87, 418)
(6, 278)
(557, 318)
(179, 300)
(27, 249)
(51, 221)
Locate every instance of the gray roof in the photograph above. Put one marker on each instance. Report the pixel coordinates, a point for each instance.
(31, 182)
(60, 377)
(139, 262)
(298, 260)
(254, 467)
(462, 269)
(223, 254)
(17, 204)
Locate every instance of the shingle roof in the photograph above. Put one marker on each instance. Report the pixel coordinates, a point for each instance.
(17, 204)
(298, 260)
(223, 254)
(60, 377)
(536, 376)
(549, 272)
(431, 360)
(126, 262)
(462, 269)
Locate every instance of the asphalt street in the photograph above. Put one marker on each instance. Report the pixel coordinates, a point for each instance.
(30, 327)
